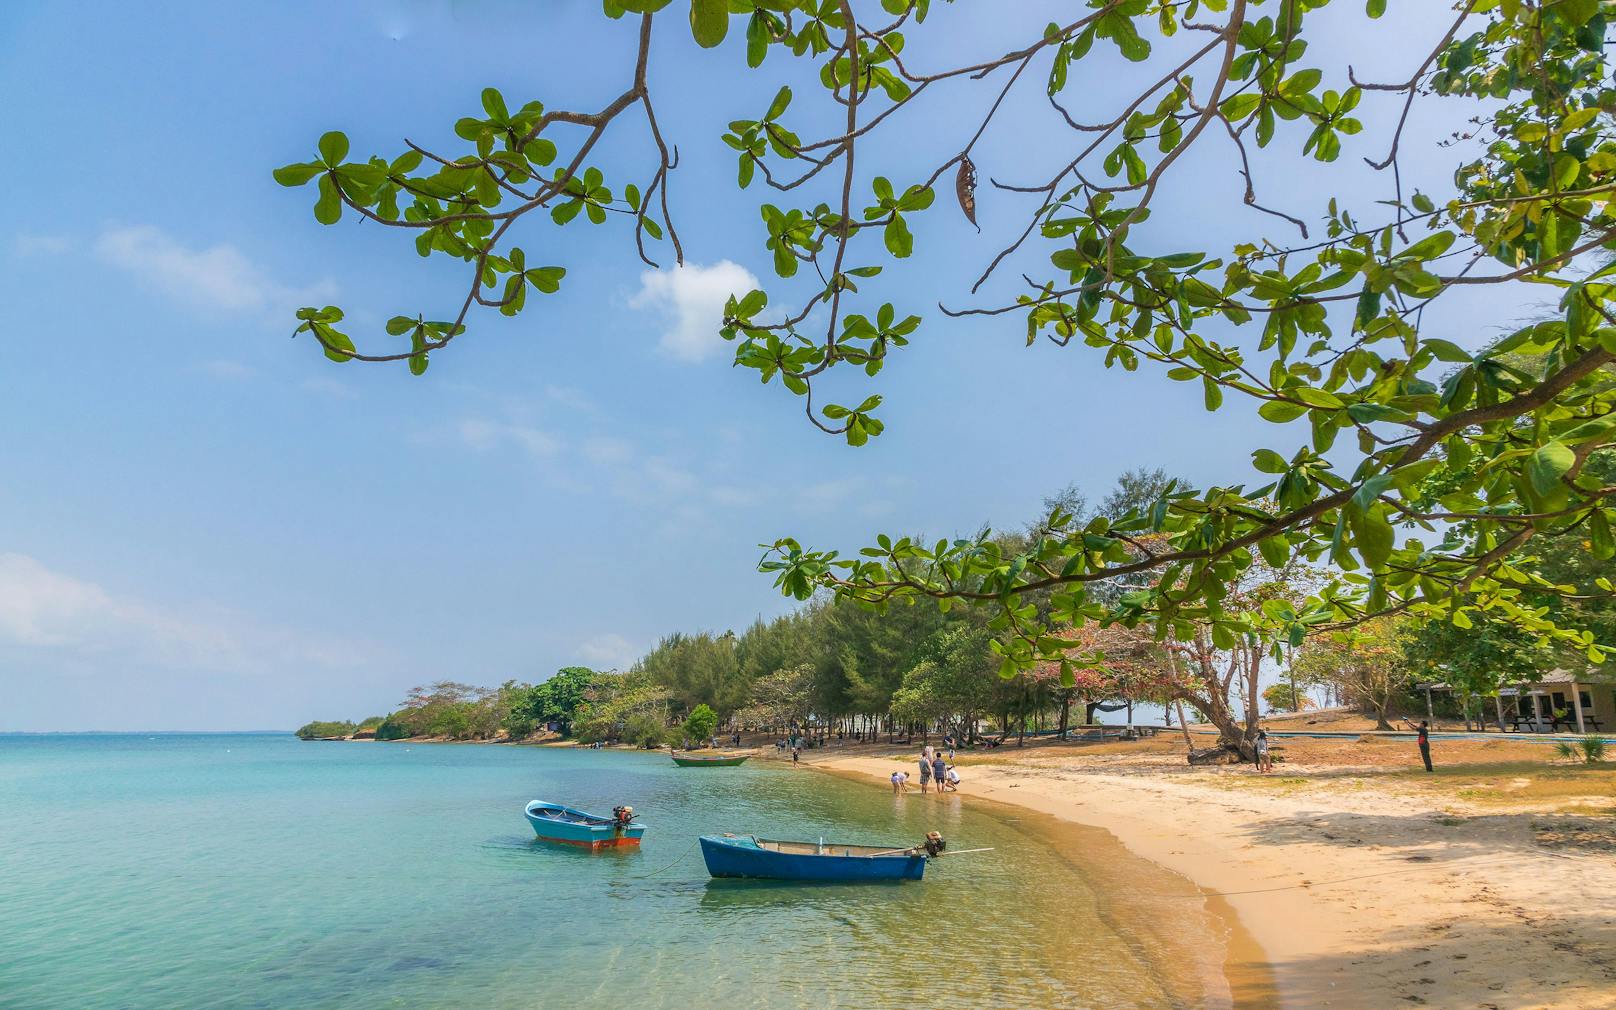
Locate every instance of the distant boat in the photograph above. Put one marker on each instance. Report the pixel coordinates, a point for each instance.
(748, 856)
(553, 822)
(688, 760)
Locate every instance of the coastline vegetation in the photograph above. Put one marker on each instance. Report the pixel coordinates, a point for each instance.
(865, 673)
(326, 730)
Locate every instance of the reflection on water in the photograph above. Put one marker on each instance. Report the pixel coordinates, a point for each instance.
(258, 871)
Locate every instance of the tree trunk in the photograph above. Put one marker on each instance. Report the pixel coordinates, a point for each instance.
(1065, 711)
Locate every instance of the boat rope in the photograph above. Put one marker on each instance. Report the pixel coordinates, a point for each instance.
(676, 860)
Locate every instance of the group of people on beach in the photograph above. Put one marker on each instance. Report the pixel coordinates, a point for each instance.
(932, 766)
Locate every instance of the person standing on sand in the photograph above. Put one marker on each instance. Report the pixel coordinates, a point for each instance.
(925, 771)
(796, 754)
(1424, 731)
(1264, 762)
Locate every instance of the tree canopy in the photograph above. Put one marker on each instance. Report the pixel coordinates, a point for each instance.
(1429, 466)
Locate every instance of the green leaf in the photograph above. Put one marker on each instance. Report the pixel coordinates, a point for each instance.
(494, 105)
(899, 242)
(1374, 537)
(297, 175)
(1548, 465)
(1280, 411)
(334, 343)
(1591, 431)
(1600, 543)
(782, 100)
(328, 208)
(1315, 397)
(334, 148)
(1429, 247)
(1275, 550)
(1269, 461)
(709, 21)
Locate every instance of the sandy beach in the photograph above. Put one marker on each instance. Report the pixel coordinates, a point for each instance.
(1364, 883)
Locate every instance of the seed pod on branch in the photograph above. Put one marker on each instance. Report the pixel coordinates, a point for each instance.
(965, 189)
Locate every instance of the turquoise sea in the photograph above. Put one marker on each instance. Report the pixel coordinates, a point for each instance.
(255, 870)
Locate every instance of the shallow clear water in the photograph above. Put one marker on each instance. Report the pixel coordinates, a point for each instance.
(260, 871)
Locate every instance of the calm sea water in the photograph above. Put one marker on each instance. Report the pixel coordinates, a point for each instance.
(260, 871)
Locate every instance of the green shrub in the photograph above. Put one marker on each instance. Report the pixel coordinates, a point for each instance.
(393, 728)
(700, 724)
(645, 730)
(1589, 749)
(325, 730)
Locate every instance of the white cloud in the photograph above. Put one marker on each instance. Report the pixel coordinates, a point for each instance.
(691, 298)
(733, 496)
(604, 450)
(218, 278)
(483, 435)
(42, 609)
(610, 651)
(570, 398)
(826, 494)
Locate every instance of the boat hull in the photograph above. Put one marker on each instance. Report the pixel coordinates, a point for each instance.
(709, 762)
(743, 857)
(565, 826)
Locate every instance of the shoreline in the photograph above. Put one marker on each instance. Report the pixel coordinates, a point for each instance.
(1131, 890)
(1352, 897)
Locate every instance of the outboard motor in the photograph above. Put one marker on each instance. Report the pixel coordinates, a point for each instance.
(934, 844)
(623, 815)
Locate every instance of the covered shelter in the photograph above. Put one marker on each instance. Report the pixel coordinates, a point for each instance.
(1556, 701)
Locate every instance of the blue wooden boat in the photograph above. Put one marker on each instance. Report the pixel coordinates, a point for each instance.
(749, 856)
(553, 822)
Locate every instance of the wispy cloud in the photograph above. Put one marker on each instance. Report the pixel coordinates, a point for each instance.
(604, 450)
(44, 609)
(217, 278)
(610, 651)
(482, 434)
(691, 299)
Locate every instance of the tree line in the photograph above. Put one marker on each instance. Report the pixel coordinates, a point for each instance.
(864, 672)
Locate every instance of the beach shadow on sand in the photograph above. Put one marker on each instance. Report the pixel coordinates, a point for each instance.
(1569, 962)
(1438, 837)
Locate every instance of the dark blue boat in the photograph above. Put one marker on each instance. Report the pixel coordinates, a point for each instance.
(749, 856)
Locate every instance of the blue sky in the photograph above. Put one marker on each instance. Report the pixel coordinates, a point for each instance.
(205, 524)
